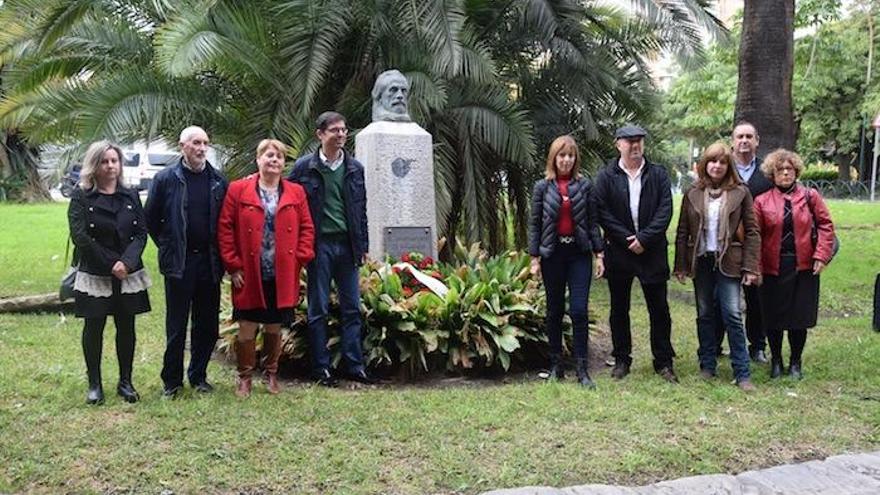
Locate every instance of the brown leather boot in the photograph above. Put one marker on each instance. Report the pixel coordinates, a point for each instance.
(272, 352)
(246, 353)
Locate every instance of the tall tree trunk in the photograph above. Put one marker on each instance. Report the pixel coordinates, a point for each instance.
(19, 172)
(766, 66)
(844, 162)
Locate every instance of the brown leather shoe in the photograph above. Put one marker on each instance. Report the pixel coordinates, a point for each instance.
(246, 353)
(272, 353)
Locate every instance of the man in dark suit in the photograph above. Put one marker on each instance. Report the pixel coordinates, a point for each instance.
(634, 201)
(745, 147)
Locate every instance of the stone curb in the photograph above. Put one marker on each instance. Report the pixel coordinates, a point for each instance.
(855, 474)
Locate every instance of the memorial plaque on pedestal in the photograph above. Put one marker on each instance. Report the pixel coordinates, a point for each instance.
(401, 240)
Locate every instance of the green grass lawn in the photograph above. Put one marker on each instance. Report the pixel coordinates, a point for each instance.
(465, 438)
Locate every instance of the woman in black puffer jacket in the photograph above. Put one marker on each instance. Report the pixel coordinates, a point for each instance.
(562, 235)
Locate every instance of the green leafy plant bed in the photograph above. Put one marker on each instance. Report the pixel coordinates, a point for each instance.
(486, 314)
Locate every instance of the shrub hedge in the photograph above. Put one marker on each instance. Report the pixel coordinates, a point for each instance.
(491, 317)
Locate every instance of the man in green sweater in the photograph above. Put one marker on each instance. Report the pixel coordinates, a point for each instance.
(334, 183)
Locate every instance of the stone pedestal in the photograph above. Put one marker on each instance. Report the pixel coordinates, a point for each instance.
(399, 172)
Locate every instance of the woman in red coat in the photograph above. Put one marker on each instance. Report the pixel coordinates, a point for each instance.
(797, 237)
(266, 236)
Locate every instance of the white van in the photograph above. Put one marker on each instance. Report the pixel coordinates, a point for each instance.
(147, 166)
(144, 161)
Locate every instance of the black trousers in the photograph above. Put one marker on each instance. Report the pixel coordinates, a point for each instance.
(195, 296)
(755, 331)
(620, 289)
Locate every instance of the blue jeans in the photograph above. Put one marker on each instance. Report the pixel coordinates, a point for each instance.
(334, 260)
(567, 266)
(712, 287)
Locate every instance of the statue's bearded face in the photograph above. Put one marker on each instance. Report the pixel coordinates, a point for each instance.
(394, 95)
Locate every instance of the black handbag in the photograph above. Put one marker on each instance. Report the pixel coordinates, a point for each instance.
(65, 291)
(814, 231)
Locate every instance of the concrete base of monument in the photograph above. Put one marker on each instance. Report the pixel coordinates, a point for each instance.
(399, 174)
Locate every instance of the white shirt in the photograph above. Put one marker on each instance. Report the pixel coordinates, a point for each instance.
(712, 216)
(334, 164)
(635, 190)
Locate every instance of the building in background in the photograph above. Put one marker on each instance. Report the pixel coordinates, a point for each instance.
(726, 9)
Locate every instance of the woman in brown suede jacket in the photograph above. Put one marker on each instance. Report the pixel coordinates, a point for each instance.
(717, 244)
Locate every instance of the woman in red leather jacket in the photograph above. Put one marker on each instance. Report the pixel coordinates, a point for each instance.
(797, 237)
(266, 236)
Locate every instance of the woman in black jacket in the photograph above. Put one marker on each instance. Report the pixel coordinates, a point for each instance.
(107, 227)
(562, 235)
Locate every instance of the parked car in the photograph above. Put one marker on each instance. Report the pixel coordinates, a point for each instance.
(131, 169)
(70, 179)
(140, 168)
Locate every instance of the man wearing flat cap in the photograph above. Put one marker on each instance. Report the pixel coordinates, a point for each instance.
(634, 200)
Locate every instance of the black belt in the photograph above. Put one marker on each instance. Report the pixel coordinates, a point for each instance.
(198, 250)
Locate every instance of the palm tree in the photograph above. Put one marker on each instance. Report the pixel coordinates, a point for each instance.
(492, 80)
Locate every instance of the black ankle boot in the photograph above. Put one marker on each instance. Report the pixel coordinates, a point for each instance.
(775, 367)
(557, 372)
(95, 394)
(126, 390)
(794, 370)
(582, 376)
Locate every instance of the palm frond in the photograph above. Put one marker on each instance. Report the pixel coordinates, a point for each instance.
(310, 43)
(60, 19)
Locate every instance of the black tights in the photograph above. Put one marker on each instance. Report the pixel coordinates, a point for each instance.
(797, 339)
(93, 343)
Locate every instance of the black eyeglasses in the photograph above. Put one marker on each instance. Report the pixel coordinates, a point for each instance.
(337, 130)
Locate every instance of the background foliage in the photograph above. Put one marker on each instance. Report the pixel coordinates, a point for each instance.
(832, 95)
(492, 80)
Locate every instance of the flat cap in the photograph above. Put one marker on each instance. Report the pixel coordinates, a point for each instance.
(629, 131)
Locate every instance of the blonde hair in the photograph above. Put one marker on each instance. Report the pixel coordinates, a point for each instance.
(716, 152)
(558, 145)
(777, 158)
(271, 143)
(92, 160)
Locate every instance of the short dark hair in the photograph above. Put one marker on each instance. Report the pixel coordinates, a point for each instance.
(325, 119)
